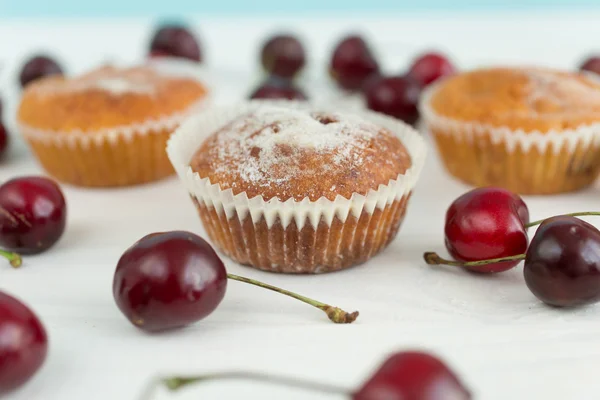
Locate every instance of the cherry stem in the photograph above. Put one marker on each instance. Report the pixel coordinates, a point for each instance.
(577, 214)
(179, 382)
(335, 314)
(14, 258)
(432, 258)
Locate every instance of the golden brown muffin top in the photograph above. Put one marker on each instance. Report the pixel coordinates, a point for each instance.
(531, 99)
(107, 97)
(286, 153)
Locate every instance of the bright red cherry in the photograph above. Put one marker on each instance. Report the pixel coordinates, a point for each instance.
(396, 96)
(276, 88)
(3, 139)
(487, 223)
(592, 64)
(23, 343)
(33, 214)
(413, 375)
(283, 55)
(172, 279)
(562, 264)
(352, 63)
(169, 280)
(38, 67)
(430, 67)
(175, 41)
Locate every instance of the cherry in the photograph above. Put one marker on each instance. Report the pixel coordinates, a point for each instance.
(175, 41)
(413, 375)
(276, 88)
(408, 375)
(283, 55)
(3, 139)
(172, 279)
(23, 343)
(430, 67)
(562, 264)
(592, 64)
(32, 214)
(396, 96)
(352, 63)
(38, 67)
(485, 223)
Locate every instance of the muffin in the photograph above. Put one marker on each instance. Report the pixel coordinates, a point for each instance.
(108, 127)
(529, 130)
(297, 189)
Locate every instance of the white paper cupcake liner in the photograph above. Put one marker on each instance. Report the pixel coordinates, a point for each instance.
(512, 138)
(188, 138)
(119, 156)
(528, 162)
(113, 134)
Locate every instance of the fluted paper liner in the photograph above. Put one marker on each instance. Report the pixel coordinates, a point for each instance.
(526, 162)
(117, 156)
(295, 236)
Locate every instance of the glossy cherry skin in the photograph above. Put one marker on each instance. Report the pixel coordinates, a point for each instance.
(430, 67)
(23, 343)
(33, 214)
(352, 63)
(276, 88)
(592, 64)
(562, 265)
(169, 280)
(487, 223)
(175, 41)
(283, 55)
(396, 96)
(3, 139)
(38, 67)
(413, 375)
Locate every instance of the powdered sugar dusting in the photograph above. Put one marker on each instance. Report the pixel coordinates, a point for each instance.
(267, 147)
(551, 93)
(115, 81)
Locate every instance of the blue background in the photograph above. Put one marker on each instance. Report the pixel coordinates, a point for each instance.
(116, 8)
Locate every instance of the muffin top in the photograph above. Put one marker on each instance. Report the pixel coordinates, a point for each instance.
(288, 153)
(105, 98)
(530, 99)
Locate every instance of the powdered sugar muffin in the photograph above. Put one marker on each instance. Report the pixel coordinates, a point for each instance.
(530, 130)
(108, 127)
(296, 189)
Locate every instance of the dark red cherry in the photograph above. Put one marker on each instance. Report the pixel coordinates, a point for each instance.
(396, 96)
(3, 139)
(562, 264)
(283, 55)
(430, 67)
(592, 64)
(33, 214)
(352, 63)
(276, 88)
(38, 67)
(487, 223)
(175, 41)
(23, 343)
(169, 280)
(413, 375)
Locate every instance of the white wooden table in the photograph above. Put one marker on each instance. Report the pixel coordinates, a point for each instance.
(502, 340)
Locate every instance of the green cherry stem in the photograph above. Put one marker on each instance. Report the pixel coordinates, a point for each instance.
(432, 258)
(577, 214)
(14, 259)
(335, 314)
(176, 383)
(179, 382)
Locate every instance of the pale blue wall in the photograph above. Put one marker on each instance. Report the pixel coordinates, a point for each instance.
(112, 8)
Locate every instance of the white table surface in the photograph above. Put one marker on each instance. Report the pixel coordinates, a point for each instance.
(491, 329)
